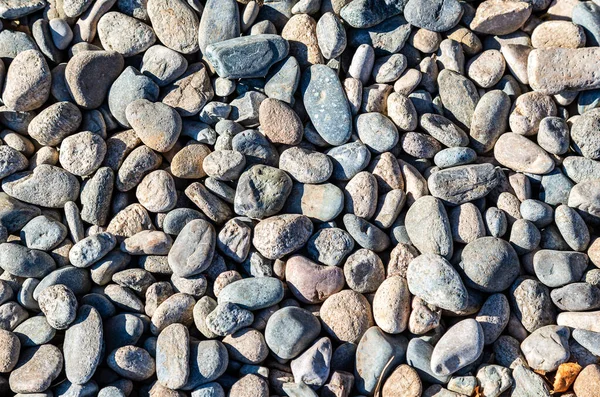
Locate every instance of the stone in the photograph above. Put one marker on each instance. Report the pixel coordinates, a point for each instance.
(363, 14)
(191, 92)
(301, 33)
(376, 354)
(262, 192)
(418, 356)
(132, 363)
(330, 246)
(279, 122)
(493, 317)
(9, 354)
(100, 67)
(498, 17)
(558, 268)
(460, 346)
(402, 381)
(220, 22)
(453, 86)
(489, 264)
(55, 123)
(59, 305)
(156, 124)
(531, 303)
(391, 305)
(433, 279)
(586, 16)
(272, 235)
(36, 369)
(253, 293)
(349, 159)
(546, 68)
(366, 234)
(527, 382)
(129, 86)
(587, 381)
(172, 356)
(331, 35)
(458, 185)
(193, 249)
(494, 380)
(175, 24)
(83, 346)
(346, 316)
(248, 56)
(310, 282)
(529, 158)
(126, 35)
(46, 186)
(81, 154)
(554, 353)
(290, 331)
(312, 366)
(428, 227)
(91, 249)
(326, 104)
(208, 361)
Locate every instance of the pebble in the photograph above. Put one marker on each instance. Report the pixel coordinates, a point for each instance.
(489, 264)
(101, 67)
(81, 154)
(59, 305)
(558, 268)
(253, 293)
(248, 56)
(460, 346)
(453, 86)
(331, 35)
(219, 22)
(36, 369)
(438, 16)
(587, 381)
(310, 282)
(290, 331)
(164, 19)
(428, 227)
(193, 249)
(83, 346)
(91, 249)
(458, 185)
(529, 158)
(497, 17)
(531, 303)
(586, 16)
(391, 305)
(157, 125)
(139, 36)
(494, 380)
(11, 347)
(363, 15)
(555, 353)
(132, 363)
(27, 70)
(346, 316)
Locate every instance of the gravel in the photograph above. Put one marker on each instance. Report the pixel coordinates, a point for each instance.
(333, 198)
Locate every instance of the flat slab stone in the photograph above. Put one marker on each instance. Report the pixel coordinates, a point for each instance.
(552, 70)
(326, 104)
(248, 56)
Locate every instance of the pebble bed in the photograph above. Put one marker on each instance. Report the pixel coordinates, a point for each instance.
(303, 198)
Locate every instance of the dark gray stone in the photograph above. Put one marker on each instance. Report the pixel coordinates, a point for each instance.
(128, 87)
(367, 13)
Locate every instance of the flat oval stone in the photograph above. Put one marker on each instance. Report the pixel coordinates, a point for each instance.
(91, 249)
(310, 282)
(247, 56)
(444, 130)
(489, 264)
(220, 21)
(291, 330)
(377, 132)
(520, 154)
(43, 233)
(306, 166)
(253, 293)
(312, 367)
(432, 278)
(25, 262)
(490, 120)
(37, 368)
(34, 331)
(558, 268)
(458, 185)
(46, 186)
(428, 226)
(15, 214)
(175, 24)
(331, 35)
(391, 305)
(193, 250)
(459, 96)
(364, 14)
(376, 354)
(326, 104)
(172, 356)
(132, 363)
(301, 33)
(11, 161)
(497, 17)
(437, 16)
(100, 67)
(583, 138)
(208, 361)
(418, 356)
(460, 346)
(83, 345)
(366, 234)
(576, 297)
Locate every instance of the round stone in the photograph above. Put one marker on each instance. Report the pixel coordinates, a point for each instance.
(82, 154)
(290, 331)
(346, 316)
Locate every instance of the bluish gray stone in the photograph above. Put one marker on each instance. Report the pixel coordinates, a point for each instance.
(96, 196)
(326, 104)
(262, 191)
(576, 297)
(572, 228)
(437, 15)
(124, 329)
(558, 268)
(253, 293)
(15, 9)
(220, 21)
(348, 160)
(366, 234)
(78, 280)
(588, 339)
(367, 13)
(208, 361)
(458, 185)
(386, 38)
(91, 249)
(547, 347)
(43, 233)
(247, 56)
(83, 345)
(531, 303)
(588, 100)
(290, 331)
(537, 212)
(493, 317)
(283, 79)
(128, 87)
(460, 346)
(34, 331)
(228, 318)
(256, 148)
(176, 219)
(555, 188)
(21, 261)
(489, 264)
(433, 279)
(418, 356)
(377, 355)
(14, 214)
(587, 15)
(454, 156)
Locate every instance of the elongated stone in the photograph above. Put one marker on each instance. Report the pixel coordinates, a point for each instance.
(248, 56)
(522, 155)
(220, 21)
(326, 104)
(459, 185)
(552, 70)
(428, 227)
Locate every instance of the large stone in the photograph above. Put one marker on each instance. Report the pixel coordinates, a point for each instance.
(460, 346)
(247, 56)
(84, 345)
(326, 104)
(459, 185)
